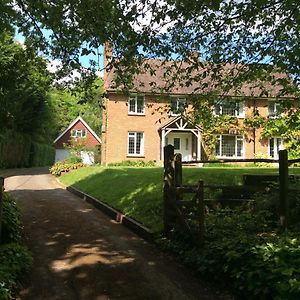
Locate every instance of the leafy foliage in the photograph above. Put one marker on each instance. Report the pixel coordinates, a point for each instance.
(243, 251)
(68, 104)
(24, 82)
(246, 34)
(11, 225)
(15, 260)
(131, 163)
(63, 167)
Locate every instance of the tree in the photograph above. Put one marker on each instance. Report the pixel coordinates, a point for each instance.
(24, 83)
(68, 104)
(255, 35)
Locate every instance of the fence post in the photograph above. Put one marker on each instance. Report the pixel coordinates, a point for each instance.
(169, 184)
(178, 169)
(1, 205)
(200, 200)
(283, 188)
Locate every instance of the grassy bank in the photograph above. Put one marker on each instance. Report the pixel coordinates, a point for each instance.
(137, 192)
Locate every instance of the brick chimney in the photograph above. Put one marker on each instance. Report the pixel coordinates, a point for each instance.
(107, 56)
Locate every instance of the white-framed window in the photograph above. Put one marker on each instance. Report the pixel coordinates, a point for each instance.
(136, 105)
(236, 109)
(275, 144)
(178, 106)
(273, 109)
(230, 146)
(135, 143)
(78, 133)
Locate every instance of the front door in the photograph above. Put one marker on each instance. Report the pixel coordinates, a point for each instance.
(182, 143)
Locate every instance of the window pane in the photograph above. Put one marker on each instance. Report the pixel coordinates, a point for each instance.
(186, 144)
(140, 104)
(177, 143)
(139, 137)
(229, 109)
(132, 102)
(240, 108)
(239, 145)
(131, 144)
(228, 145)
(174, 106)
(218, 147)
(271, 147)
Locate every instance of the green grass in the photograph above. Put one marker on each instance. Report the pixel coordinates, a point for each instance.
(137, 192)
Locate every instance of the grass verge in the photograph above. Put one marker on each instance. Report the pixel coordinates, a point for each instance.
(137, 192)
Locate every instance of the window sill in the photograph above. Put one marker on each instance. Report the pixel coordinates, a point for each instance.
(136, 114)
(135, 155)
(230, 157)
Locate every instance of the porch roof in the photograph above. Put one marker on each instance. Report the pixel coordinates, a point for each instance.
(181, 123)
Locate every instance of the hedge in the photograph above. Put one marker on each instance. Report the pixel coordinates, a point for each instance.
(19, 150)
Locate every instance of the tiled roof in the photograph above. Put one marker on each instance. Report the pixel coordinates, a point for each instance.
(170, 77)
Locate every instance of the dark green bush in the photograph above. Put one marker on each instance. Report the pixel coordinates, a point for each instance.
(19, 150)
(15, 260)
(242, 250)
(41, 155)
(11, 224)
(133, 163)
(14, 150)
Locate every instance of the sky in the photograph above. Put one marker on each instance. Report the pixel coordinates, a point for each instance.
(84, 60)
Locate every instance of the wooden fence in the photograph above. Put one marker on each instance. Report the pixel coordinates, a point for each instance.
(174, 190)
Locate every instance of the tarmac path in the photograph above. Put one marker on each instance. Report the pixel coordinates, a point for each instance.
(79, 253)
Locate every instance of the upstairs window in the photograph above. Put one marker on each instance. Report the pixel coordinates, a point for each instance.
(274, 109)
(78, 133)
(136, 105)
(230, 108)
(229, 146)
(135, 143)
(178, 106)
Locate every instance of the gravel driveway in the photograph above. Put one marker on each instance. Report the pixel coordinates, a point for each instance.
(81, 254)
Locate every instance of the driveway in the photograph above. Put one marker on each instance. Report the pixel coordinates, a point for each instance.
(79, 253)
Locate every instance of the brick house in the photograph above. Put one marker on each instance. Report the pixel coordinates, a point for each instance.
(78, 131)
(137, 126)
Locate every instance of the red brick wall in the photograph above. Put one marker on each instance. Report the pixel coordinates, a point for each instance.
(90, 140)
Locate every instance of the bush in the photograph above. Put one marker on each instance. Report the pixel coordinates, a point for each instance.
(243, 250)
(15, 260)
(11, 224)
(61, 167)
(41, 155)
(72, 160)
(14, 150)
(133, 163)
(19, 150)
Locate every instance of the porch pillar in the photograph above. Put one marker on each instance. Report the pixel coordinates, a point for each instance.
(163, 139)
(199, 147)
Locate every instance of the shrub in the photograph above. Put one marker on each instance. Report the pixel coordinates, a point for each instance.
(133, 163)
(243, 250)
(11, 224)
(60, 167)
(73, 159)
(15, 260)
(41, 155)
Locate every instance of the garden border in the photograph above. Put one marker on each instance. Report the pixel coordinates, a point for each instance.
(114, 214)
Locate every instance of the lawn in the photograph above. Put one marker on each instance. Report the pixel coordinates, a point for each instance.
(137, 192)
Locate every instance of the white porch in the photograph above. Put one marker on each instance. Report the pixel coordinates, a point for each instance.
(184, 136)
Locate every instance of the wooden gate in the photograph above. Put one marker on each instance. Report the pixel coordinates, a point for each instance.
(179, 213)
